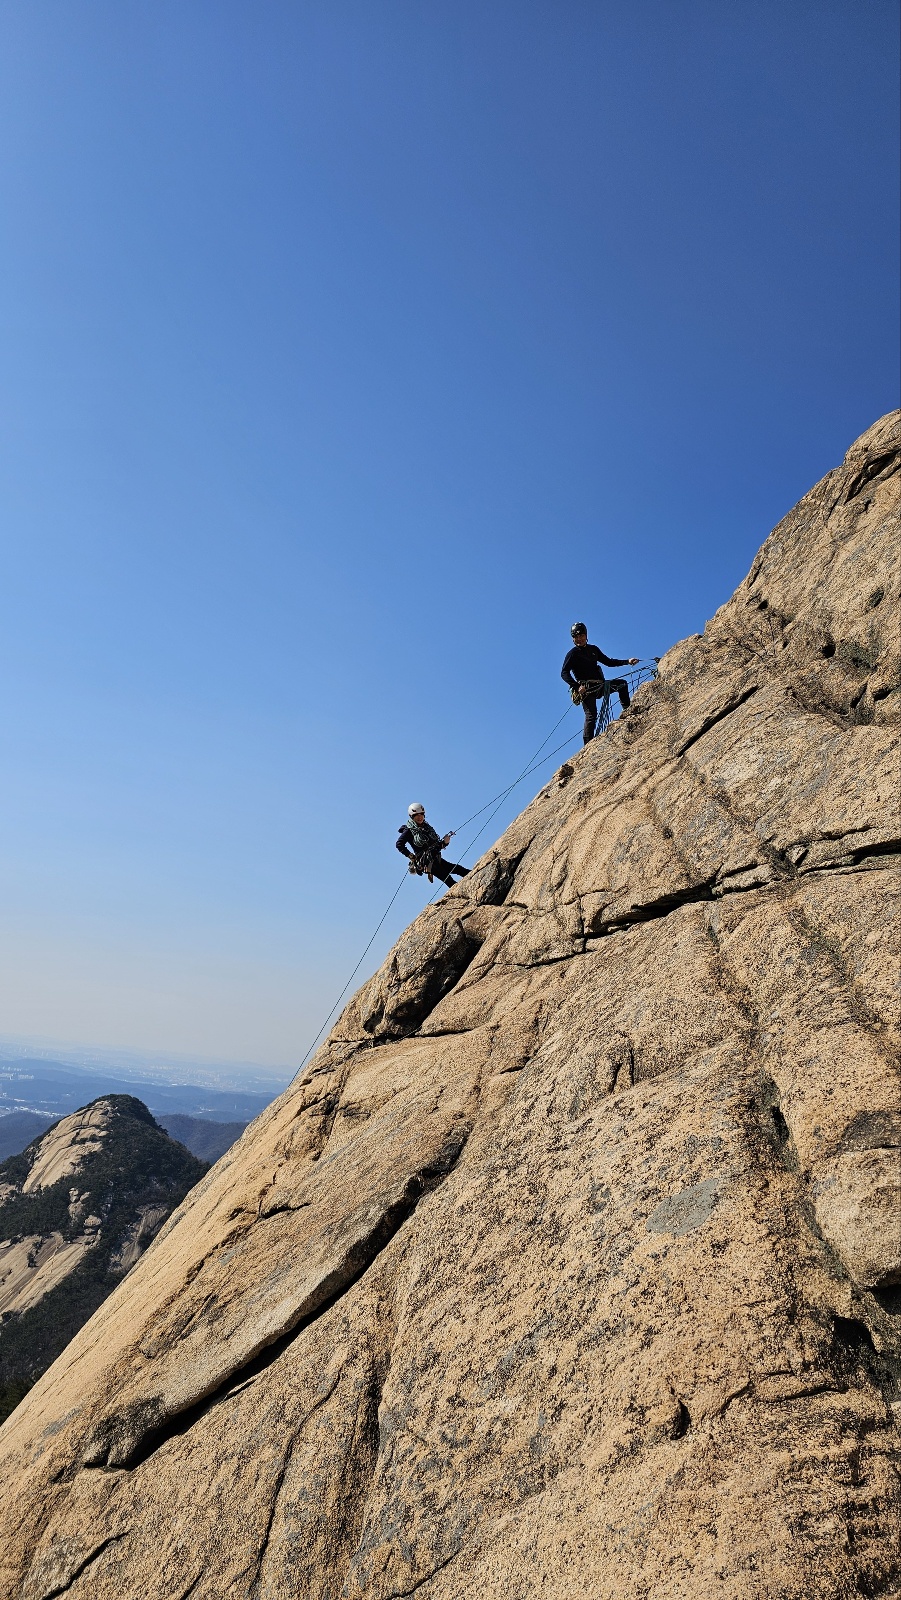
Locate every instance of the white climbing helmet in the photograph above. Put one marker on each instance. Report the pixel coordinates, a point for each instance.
(415, 808)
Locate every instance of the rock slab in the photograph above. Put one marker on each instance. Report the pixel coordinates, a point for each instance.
(571, 1264)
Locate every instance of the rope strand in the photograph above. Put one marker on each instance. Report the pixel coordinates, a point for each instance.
(350, 980)
(532, 766)
(640, 675)
(522, 775)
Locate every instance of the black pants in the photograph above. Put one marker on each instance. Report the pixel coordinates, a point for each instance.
(442, 869)
(589, 704)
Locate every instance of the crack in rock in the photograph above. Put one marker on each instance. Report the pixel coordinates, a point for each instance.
(715, 717)
(128, 1438)
(80, 1570)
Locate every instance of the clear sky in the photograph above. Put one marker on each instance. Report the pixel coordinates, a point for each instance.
(350, 349)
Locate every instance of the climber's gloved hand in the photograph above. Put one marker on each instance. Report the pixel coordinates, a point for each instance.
(634, 660)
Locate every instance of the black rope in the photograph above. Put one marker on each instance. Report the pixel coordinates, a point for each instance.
(350, 980)
(639, 675)
(532, 766)
(522, 775)
(500, 799)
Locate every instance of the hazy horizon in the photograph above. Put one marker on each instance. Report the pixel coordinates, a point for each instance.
(145, 1065)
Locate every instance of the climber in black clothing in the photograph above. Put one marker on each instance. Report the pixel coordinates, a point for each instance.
(582, 671)
(425, 856)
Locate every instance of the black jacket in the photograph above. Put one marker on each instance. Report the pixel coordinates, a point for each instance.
(583, 662)
(421, 836)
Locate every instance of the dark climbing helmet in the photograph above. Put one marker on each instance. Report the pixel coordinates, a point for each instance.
(578, 627)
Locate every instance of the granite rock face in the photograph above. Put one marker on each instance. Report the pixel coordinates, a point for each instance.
(571, 1264)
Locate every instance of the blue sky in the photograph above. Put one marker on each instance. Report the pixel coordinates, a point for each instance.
(348, 352)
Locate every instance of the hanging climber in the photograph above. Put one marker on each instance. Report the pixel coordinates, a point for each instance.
(425, 856)
(582, 671)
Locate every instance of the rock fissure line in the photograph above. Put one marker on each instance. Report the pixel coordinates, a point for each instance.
(815, 707)
(709, 889)
(232, 1238)
(186, 1593)
(239, 1387)
(715, 717)
(883, 467)
(95, 1554)
(402, 1594)
(278, 1211)
(887, 847)
(547, 961)
(342, 1280)
(331, 1099)
(358, 1471)
(802, 1393)
(280, 1479)
(509, 867)
(885, 1366)
(653, 909)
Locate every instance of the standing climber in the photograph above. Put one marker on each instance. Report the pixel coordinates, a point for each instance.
(425, 856)
(582, 671)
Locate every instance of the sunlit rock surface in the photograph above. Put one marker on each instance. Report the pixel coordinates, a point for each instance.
(571, 1264)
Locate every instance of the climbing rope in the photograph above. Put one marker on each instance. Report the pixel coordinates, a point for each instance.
(639, 675)
(532, 766)
(524, 774)
(350, 980)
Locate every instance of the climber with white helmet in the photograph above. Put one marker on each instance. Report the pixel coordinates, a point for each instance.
(425, 855)
(582, 671)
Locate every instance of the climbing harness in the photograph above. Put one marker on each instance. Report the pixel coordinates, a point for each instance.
(599, 689)
(427, 844)
(424, 864)
(589, 686)
(639, 675)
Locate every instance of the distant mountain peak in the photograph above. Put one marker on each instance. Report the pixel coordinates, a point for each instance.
(78, 1207)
